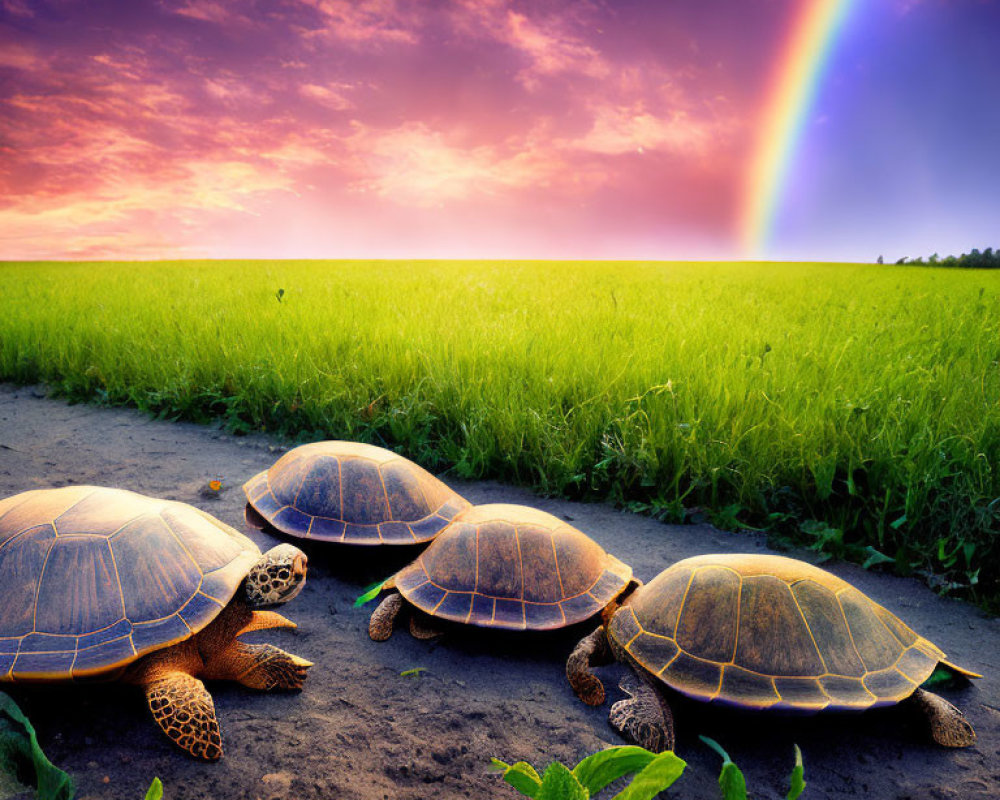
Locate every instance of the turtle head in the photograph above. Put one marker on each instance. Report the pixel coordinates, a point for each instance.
(277, 577)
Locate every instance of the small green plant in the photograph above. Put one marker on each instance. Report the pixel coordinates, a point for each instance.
(654, 773)
(734, 785)
(155, 790)
(22, 759)
(414, 672)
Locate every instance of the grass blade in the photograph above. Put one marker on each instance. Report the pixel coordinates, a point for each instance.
(370, 593)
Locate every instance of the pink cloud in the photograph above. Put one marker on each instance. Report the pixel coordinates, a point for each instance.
(416, 166)
(19, 8)
(627, 129)
(210, 11)
(331, 97)
(359, 21)
(546, 43)
(452, 124)
(18, 56)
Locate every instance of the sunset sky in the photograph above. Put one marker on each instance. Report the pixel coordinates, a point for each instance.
(653, 129)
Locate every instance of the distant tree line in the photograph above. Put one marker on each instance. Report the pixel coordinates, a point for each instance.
(988, 259)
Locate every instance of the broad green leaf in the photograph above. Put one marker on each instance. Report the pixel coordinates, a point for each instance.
(558, 783)
(876, 557)
(521, 775)
(797, 780)
(731, 780)
(657, 775)
(598, 770)
(370, 593)
(23, 759)
(155, 791)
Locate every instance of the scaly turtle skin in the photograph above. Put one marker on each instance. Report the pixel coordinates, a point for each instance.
(352, 493)
(105, 584)
(504, 566)
(761, 632)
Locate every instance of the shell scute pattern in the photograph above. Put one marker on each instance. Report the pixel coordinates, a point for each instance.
(353, 493)
(828, 626)
(770, 632)
(79, 589)
(774, 637)
(95, 578)
(706, 627)
(513, 567)
(22, 558)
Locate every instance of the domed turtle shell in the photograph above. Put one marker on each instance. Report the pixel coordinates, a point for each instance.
(761, 631)
(93, 578)
(511, 566)
(353, 493)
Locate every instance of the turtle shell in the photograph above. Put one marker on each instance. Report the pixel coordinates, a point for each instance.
(511, 566)
(353, 493)
(760, 631)
(94, 578)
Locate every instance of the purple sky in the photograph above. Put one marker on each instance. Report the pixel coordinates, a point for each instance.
(485, 128)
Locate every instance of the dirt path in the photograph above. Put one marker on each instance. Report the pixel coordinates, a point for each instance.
(360, 730)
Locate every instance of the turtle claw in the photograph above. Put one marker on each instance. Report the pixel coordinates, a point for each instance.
(273, 668)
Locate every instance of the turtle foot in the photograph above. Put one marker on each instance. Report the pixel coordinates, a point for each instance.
(384, 617)
(948, 726)
(184, 710)
(273, 668)
(643, 718)
(422, 626)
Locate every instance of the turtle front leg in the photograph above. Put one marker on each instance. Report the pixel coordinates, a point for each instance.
(644, 718)
(383, 617)
(259, 666)
(948, 726)
(591, 651)
(265, 620)
(184, 710)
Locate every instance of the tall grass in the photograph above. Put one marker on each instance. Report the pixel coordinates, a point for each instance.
(855, 406)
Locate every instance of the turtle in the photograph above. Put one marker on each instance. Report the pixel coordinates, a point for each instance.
(354, 493)
(103, 584)
(756, 631)
(504, 566)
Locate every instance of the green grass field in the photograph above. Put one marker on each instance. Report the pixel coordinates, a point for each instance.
(854, 407)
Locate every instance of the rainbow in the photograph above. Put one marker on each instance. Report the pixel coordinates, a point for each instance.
(790, 95)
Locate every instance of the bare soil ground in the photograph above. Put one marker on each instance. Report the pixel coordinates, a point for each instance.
(362, 731)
